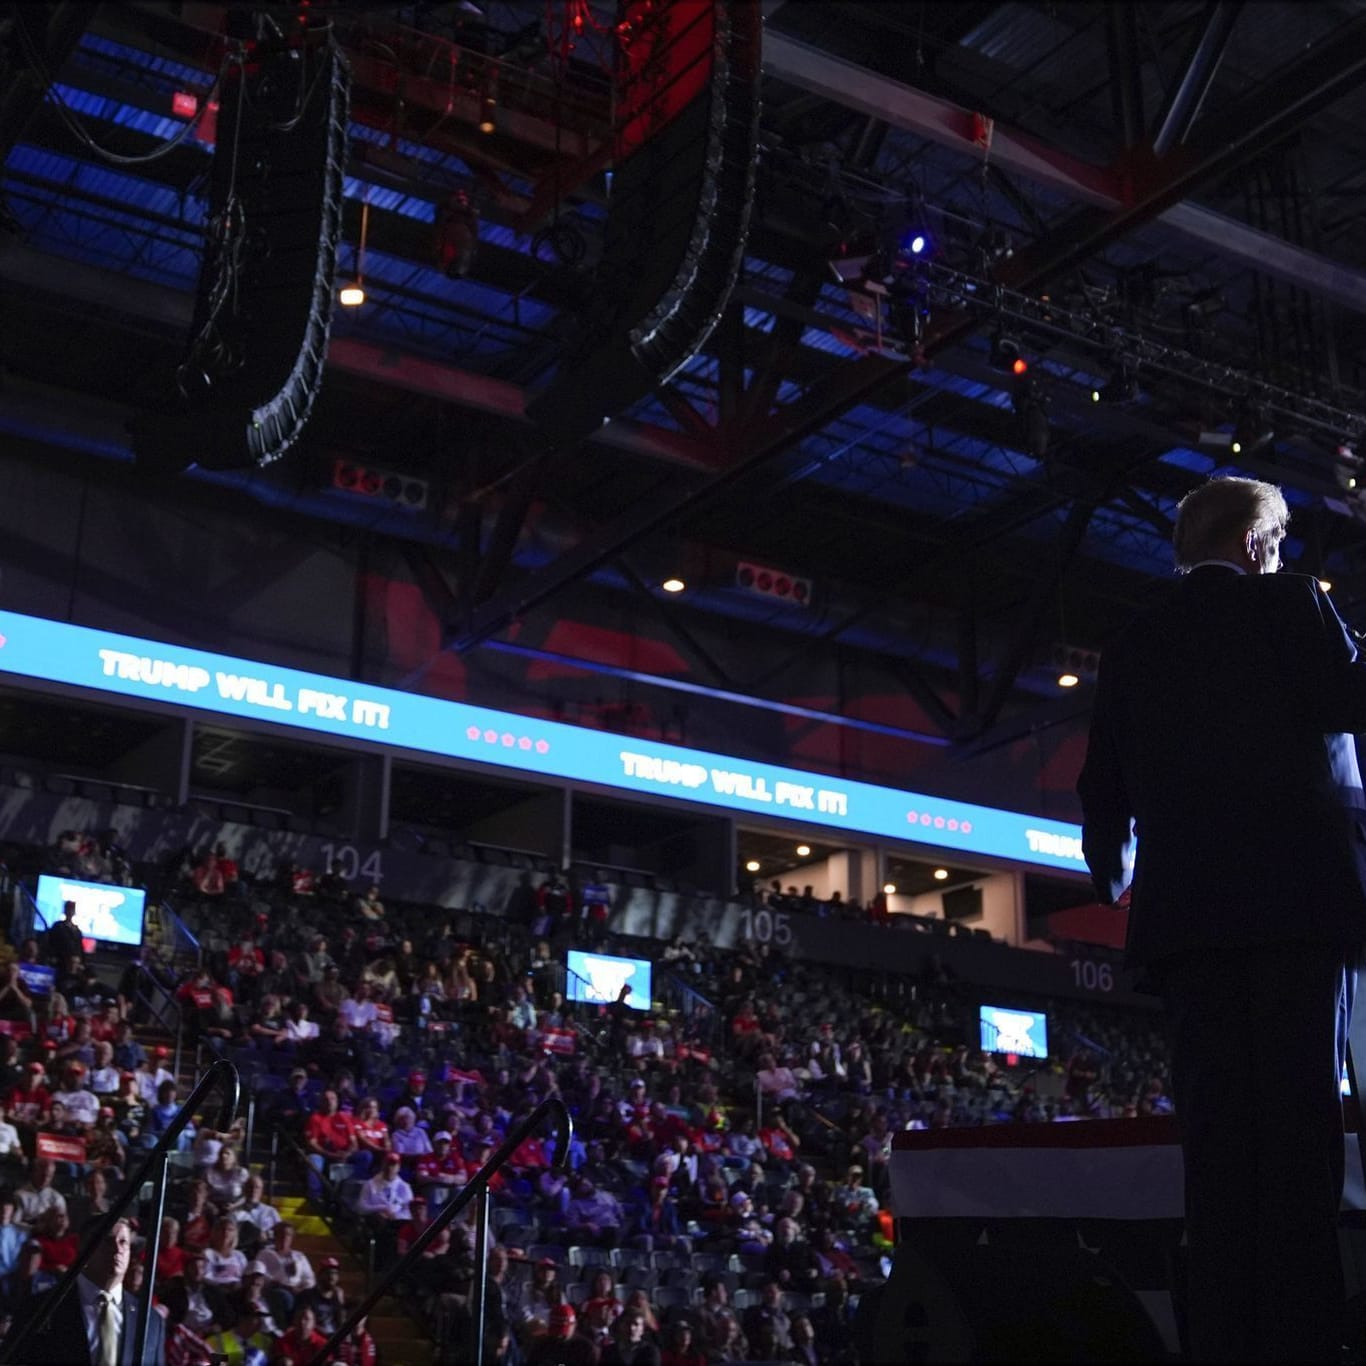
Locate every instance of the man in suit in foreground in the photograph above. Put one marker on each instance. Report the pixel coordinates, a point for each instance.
(1221, 727)
(97, 1322)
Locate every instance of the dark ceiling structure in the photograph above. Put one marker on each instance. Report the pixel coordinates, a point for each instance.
(1155, 206)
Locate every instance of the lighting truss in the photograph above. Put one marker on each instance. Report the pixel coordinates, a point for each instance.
(1288, 409)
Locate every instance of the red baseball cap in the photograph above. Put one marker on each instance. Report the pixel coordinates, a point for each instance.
(562, 1319)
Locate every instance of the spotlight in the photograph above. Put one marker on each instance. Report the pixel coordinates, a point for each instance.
(1005, 354)
(673, 584)
(1326, 585)
(1068, 680)
(916, 242)
(803, 851)
(889, 888)
(752, 866)
(351, 294)
(941, 874)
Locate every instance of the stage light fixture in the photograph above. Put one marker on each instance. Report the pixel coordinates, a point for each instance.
(1005, 354)
(941, 874)
(673, 584)
(803, 851)
(752, 866)
(1326, 585)
(1068, 680)
(352, 292)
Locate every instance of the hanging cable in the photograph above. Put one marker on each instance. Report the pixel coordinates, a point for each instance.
(73, 122)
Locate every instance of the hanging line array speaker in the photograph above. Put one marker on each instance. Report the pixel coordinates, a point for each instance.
(679, 211)
(263, 309)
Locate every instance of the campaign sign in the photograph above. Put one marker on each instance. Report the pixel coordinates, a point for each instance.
(62, 1148)
(597, 979)
(112, 915)
(38, 979)
(1007, 1030)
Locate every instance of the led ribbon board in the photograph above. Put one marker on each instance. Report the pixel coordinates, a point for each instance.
(124, 666)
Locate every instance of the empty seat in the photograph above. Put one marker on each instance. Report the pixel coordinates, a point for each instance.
(588, 1256)
(623, 1258)
(554, 1251)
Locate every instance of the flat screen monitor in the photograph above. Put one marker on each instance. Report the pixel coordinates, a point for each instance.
(112, 915)
(597, 978)
(1006, 1029)
(962, 903)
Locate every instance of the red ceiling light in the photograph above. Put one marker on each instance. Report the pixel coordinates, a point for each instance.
(1019, 365)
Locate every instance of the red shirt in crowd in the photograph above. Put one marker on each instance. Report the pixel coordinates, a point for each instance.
(430, 1167)
(372, 1134)
(331, 1133)
(298, 1350)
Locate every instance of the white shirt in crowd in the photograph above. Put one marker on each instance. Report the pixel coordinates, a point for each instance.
(9, 1139)
(30, 1205)
(263, 1216)
(391, 1196)
(289, 1269)
(224, 1268)
(81, 1106)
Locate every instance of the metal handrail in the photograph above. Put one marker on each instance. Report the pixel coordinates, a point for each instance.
(477, 1184)
(222, 1076)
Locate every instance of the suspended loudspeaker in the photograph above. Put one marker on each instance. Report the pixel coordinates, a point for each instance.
(264, 305)
(678, 217)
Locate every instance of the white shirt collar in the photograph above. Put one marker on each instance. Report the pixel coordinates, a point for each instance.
(90, 1293)
(1227, 564)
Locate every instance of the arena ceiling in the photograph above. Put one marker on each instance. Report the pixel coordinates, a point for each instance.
(1168, 190)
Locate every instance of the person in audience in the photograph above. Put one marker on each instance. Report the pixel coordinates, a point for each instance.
(253, 1293)
(247, 1341)
(224, 1262)
(560, 1345)
(372, 1137)
(405, 1138)
(37, 1195)
(256, 1219)
(302, 1342)
(226, 1179)
(767, 1326)
(194, 1301)
(288, 1271)
(327, 1299)
(594, 1216)
(386, 1196)
(679, 1348)
(65, 939)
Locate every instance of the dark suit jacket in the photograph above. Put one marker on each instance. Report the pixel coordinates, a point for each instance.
(63, 1342)
(1218, 727)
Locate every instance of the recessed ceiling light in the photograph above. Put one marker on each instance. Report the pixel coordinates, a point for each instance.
(889, 888)
(941, 874)
(1326, 585)
(752, 866)
(673, 584)
(803, 850)
(1068, 680)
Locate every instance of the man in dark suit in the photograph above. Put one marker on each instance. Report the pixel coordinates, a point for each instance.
(1220, 727)
(96, 1323)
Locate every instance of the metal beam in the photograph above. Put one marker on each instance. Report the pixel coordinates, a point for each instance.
(1126, 75)
(1197, 75)
(950, 125)
(718, 694)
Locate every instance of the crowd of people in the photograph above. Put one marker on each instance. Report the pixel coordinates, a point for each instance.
(725, 1194)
